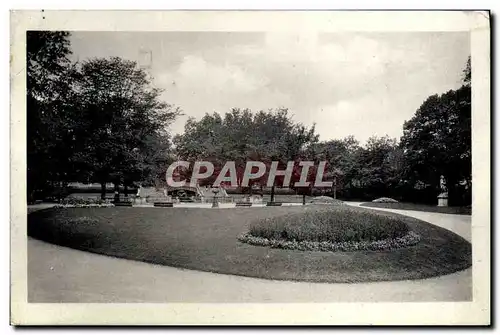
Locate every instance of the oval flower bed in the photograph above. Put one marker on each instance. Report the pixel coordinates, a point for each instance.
(324, 200)
(335, 229)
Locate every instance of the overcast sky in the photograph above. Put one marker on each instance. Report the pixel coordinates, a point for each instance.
(359, 84)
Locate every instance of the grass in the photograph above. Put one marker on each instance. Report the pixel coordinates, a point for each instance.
(465, 210)
(206, 239)
(333, 224)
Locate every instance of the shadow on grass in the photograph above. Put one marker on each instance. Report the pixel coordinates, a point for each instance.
(206, 240)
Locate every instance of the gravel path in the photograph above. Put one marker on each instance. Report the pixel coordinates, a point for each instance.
(58, 274)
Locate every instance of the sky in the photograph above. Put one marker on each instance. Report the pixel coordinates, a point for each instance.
(359, 84)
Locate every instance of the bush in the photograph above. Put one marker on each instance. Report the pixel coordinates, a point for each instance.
(326, 201)
(385, 200)
(83, 203)
(331, 224)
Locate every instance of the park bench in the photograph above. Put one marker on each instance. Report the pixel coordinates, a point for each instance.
(163, 204)
(243, 204)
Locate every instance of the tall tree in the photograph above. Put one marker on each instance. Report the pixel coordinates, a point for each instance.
(341, 156)
(49, 95)
(121, 121)
(437, 141)
(378, 166)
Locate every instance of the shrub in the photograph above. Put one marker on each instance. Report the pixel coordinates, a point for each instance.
(83, 203)
(331, 224)
(324, 200)
(385, 200)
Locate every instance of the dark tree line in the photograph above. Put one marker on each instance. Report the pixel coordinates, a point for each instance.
(436, 142)
(102, 120)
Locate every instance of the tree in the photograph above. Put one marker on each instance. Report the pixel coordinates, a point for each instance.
(121, 124)
(241, 136)
(467, 73)
(341, 156)
(379, 166)
(437, 141)
(49, 96)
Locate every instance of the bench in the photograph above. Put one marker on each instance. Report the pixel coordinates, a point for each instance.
(243, 204)
(123, 203)
(163, 204)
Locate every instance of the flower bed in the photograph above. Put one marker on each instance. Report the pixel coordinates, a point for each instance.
(409, 239)
(324, 200)
(84, 203)
(385, 200)
(104, 205)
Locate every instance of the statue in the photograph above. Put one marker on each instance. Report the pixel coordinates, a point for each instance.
(443, 196)
(442, 184)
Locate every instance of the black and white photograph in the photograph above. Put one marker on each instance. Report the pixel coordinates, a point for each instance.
(265, 166)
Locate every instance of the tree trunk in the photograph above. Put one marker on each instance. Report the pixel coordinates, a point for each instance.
(304, 198)
(103, 190)
(125, 190)
(272, 193)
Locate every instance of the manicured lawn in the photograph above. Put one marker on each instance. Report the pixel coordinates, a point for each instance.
(420, 207)
(206, 239)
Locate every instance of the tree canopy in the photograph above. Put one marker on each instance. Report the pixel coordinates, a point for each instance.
(100, 120)
(437, 141)
(241, 136)
(48, 97)
(103, 120)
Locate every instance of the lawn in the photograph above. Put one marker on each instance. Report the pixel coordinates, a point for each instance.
(206, 239)
(465, 210)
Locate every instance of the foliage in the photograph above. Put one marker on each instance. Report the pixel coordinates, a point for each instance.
(99, 120)
(437, 141)
(384, 200)
(48, 96)
(242, 136)
(331, 224)
(120, 131)
(467, 73)
(83, 203)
